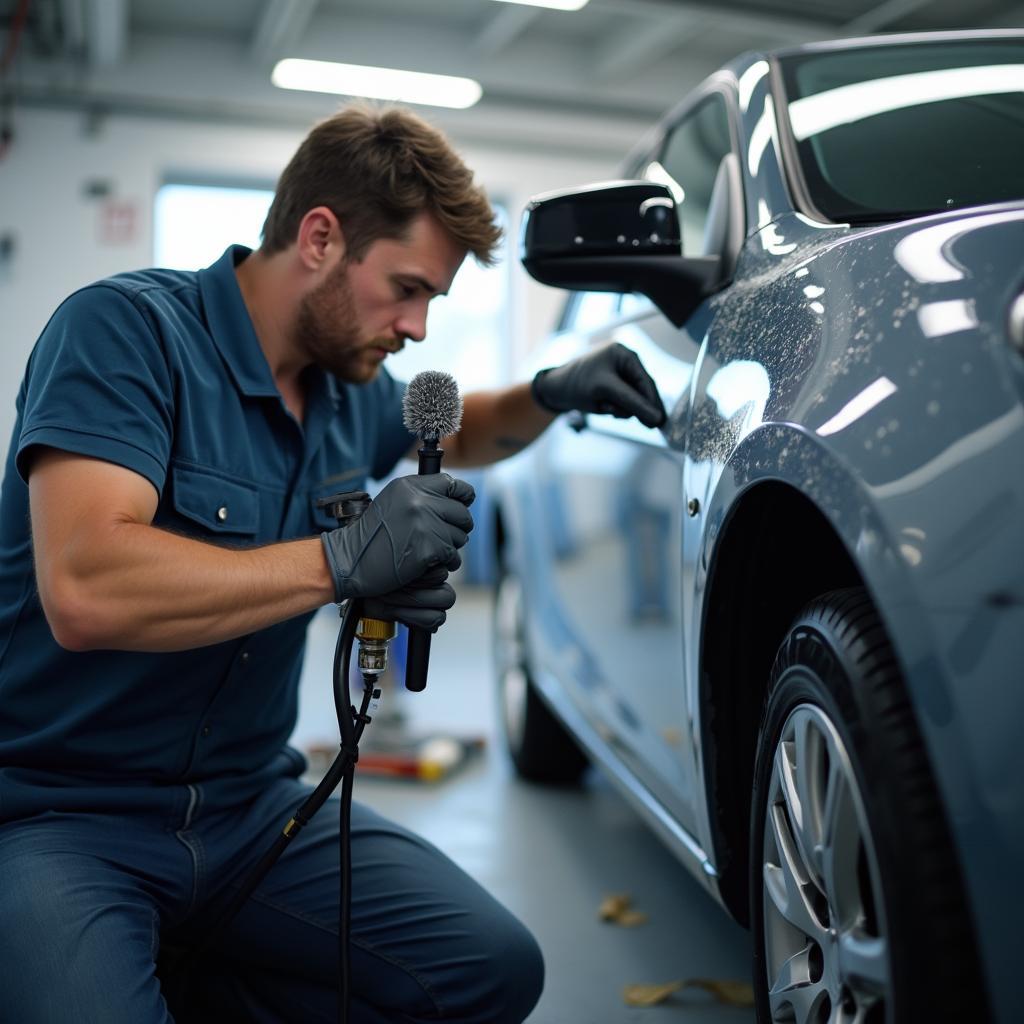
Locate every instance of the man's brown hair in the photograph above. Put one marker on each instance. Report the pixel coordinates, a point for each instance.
(377, 168)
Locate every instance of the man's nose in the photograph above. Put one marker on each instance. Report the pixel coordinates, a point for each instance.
(413, 325)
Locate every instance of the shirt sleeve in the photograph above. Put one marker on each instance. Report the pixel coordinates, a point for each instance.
(393, 439)
(98, 384)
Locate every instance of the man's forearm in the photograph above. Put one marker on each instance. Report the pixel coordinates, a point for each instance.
(117, 598)
(495, 425)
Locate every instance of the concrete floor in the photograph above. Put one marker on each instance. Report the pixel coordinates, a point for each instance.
(550, 855)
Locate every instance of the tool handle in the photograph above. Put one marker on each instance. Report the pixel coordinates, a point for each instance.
(418, 655)
(416, 659)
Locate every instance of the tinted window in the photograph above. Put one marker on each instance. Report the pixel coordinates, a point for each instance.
(689, 162)
(884, 132)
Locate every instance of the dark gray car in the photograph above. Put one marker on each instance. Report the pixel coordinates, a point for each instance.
(790, 623)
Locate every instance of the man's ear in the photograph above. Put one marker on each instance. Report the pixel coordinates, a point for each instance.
(320, 239)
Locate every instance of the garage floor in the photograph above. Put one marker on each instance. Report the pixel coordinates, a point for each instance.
(550, 855)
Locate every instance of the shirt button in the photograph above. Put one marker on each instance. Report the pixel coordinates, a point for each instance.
(222, 514)
(244, 657)
(206, 730)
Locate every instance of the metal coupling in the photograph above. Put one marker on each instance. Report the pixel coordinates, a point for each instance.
(374, 635)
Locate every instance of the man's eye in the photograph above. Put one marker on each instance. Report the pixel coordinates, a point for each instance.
(406, 291)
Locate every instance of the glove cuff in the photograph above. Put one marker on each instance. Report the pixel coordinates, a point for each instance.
(536, 386)
(342, 585)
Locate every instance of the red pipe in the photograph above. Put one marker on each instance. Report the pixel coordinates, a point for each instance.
(17, 25)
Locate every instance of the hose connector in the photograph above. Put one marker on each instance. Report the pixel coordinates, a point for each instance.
(373, 636)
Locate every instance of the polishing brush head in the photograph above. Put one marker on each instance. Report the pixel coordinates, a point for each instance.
(432, 408)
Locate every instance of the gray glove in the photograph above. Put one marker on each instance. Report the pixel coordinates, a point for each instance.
(611, 379)
(422, 603)
(416, 523)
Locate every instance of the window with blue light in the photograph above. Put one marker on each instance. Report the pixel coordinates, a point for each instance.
(467, 330)
(194, 224)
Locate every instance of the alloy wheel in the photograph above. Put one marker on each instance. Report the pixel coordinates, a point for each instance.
(827, 950)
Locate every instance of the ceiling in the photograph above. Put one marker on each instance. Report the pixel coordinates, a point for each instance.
(585, 81)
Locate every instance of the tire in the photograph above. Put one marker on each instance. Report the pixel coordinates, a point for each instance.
(855, 894)
(540, 747)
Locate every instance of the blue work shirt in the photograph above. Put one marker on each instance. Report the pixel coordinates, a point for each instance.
(160, 371)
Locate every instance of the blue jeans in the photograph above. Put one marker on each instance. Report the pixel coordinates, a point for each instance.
(87, 899)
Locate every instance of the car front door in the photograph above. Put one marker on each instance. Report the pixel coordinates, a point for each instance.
(622, 492)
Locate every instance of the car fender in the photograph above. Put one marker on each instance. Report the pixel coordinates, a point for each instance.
(805, 474)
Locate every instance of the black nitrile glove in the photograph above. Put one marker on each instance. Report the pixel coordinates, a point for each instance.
(416, 523)
(422, 603)
(611, 379)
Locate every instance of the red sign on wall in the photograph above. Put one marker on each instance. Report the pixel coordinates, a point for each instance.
(118, 220)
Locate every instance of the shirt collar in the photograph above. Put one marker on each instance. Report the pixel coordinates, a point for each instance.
(231, 326)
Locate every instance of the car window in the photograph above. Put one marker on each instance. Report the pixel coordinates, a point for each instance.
(882, 133)
(689, 162)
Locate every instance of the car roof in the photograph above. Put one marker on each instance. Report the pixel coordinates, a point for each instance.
(742, 61)
(733, 70)
(897, 39)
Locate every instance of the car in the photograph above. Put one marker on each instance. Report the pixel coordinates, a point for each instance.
(789, 623)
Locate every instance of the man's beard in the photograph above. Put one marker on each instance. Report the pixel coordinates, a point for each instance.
(327, 331)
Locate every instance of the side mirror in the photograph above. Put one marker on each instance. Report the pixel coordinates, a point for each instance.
(617, 236)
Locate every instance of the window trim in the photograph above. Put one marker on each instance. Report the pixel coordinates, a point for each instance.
(792, 172)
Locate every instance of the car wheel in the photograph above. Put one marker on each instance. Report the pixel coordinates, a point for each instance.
(537, 742)
(856, 900)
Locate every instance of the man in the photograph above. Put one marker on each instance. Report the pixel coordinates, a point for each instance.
(162, 556)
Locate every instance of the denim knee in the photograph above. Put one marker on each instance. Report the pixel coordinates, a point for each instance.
(524, 976)
(506, 978)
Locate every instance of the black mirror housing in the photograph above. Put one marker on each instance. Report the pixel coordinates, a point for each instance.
(604, 219)
(616, 236)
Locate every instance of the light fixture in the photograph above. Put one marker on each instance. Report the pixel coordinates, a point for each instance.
(555, 5)
(376, 83)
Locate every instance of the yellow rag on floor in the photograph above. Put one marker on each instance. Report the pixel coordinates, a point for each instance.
(730, 993)
(616, 909)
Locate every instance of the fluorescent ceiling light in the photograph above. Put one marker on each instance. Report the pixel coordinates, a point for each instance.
(555, 5)
(376, 83)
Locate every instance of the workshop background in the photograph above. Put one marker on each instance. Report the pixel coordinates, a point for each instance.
(142, 132)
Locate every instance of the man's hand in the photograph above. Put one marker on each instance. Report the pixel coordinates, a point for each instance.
(611, 379)
(422, 603)
(416, 524)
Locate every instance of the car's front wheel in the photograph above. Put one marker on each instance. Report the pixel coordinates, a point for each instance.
(855, 893)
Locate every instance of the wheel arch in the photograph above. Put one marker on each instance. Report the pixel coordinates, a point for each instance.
(754, 590)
